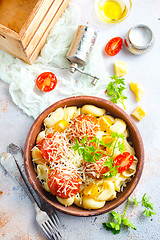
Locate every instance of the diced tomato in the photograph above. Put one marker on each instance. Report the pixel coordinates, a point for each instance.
(96, 169)
(53, 146)
(124, 161)
(64, 182)
(114, 46)
(46, 81)
(82, 126)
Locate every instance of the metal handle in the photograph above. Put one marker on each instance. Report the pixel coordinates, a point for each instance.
(74, 67)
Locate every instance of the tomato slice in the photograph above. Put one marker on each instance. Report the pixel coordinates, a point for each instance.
(64, 182)
(124, 161)
(53, 147)
(81, 126)
(46, 81)
(114, 46)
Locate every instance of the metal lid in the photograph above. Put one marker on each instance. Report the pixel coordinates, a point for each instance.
(141, 37)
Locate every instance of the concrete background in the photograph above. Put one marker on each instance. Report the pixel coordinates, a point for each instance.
(17, 216)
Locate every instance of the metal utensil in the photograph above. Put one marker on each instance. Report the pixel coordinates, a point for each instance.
(45, 216)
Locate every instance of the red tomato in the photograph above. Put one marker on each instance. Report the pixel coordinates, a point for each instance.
(81, 126)
(64, 182)
(53, 146)
(124, 161)
(96, 169)
(46, 81)
(114, 46)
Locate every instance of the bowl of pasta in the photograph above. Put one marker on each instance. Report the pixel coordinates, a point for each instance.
(84, 156)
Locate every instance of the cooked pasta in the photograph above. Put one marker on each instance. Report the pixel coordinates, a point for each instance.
(62, 167)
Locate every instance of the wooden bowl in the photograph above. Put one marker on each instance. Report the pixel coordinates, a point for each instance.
(79, 101)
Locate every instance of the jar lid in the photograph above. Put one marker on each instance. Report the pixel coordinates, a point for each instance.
(141, 37)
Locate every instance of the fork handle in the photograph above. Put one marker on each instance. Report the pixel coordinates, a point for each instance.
(9, 163)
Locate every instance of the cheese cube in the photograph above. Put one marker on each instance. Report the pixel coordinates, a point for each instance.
(121, 68)
(138, 113)
(137, 89)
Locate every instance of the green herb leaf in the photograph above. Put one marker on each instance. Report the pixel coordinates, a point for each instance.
(135, 201)
(108, 145)
(92, 154)
(148, 213)
(146, 204)
(115, 90)
(115, 227)
(116, 216)
(112, 226)
(121, 147)
(127, 223)
(108, 163)
(76, 146)
(83, 141)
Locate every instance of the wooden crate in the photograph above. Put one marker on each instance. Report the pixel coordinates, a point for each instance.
(25, 25)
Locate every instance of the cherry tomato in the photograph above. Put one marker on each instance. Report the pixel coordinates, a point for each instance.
(64, 182)
(114, 46)
(46, 81)
(53, 146)
(124, 161)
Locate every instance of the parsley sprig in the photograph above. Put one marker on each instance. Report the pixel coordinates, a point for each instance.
(93, 154)
(115, 90)
(121, 219)
(148, 206)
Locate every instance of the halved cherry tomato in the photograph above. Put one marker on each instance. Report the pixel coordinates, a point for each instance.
(64, 182)
(46, 81)
(124, 161)
(114, 46)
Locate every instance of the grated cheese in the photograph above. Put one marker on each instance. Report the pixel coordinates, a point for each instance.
(79, 128)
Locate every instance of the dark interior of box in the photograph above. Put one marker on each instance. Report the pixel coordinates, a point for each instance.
(14, 13)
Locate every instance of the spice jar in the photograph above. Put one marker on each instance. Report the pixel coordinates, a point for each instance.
(139, 39)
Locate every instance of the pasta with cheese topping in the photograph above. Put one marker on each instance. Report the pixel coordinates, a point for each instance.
(63, 168)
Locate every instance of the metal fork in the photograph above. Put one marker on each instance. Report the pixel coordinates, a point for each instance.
(45, 216)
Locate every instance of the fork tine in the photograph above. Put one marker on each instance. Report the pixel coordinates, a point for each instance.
(53, 218)
(46, 231)
(57, 233)
(56, 219)
(50, 231)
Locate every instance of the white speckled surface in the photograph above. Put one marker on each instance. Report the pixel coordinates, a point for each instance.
(16, 211)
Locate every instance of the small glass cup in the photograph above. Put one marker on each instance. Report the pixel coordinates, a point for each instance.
(108, 6)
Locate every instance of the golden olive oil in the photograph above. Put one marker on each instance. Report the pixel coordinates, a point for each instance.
(111, 10)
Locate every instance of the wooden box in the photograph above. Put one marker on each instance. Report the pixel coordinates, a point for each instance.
(25, 25)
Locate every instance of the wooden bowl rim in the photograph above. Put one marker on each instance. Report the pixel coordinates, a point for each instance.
(83, 212)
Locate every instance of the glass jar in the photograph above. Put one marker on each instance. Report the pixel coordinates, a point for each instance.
(113, 11)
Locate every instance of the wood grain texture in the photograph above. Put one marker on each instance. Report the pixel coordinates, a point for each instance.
(10, 43)
(115, 111)
(24, 32)
(14, 13)
(38, 40)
